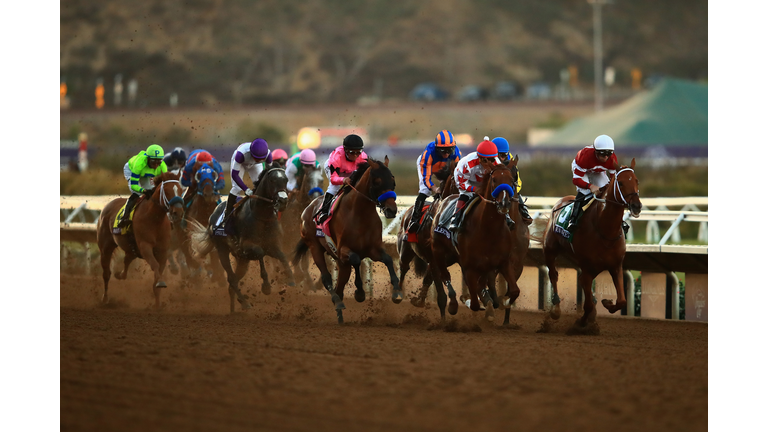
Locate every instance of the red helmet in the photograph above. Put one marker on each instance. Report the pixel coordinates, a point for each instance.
(487, 148)
(279, 154)
(204, 156)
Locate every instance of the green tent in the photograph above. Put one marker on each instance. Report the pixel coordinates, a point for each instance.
(674, 113)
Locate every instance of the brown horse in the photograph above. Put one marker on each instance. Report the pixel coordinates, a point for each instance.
(203, 202)
(355, 232)
(484, 246)
(420, 252)
(150, 235)
(598, 242)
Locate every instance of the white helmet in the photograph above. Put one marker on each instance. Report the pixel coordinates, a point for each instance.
(604, 142)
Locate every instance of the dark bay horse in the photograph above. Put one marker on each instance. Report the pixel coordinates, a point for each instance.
(485, 246)
(598, 242)
(420, 252)
(149, 236)
(355, 231)
(255, 233)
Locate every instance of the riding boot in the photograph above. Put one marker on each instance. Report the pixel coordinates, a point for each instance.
(578, 203)
(126, 219)
(461, 204)
(322, 215)
(413, 227)
(527, 219)
(231, 200)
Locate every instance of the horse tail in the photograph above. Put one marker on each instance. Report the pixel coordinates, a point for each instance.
(201, 240)
(419, 266)
(300, 250)
(539, 236)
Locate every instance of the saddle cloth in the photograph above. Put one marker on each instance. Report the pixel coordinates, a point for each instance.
(561, 223)
(414, 237)
(227, 229)
(450, 209)
(323, 229)
(123, 231)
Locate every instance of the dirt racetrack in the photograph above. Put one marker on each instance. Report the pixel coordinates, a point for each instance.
(287, 365)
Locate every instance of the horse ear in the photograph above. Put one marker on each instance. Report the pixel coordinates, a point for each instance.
(516, 159)
(616, 166)
(386, 161)
(632, 165)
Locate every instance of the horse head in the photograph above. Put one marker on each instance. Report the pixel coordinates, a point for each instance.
(381, 185)
(206, 178)
(272, 186)
(625, 189)
(168, 194)
(500, 185)
(312, 182)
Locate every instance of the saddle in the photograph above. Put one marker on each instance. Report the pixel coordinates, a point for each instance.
(322, 228)
(413, 237)
(124, 231)
(447, 215)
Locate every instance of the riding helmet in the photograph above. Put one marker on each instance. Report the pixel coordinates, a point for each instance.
(604, 142)
(353, 142)
(307, 157)
(279, 154)
(445, 139)
(487, 149)
(179, 154)
(501, 144)
(259, 148)
(155, 152)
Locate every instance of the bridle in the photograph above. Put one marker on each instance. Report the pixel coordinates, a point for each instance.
(381, 198)
(280, 194)
(174, 200)
(617, 190)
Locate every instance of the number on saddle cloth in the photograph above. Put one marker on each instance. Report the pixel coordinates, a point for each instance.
(561, 223)
(119, 216)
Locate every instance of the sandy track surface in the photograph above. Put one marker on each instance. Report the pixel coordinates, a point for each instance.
(287, 365)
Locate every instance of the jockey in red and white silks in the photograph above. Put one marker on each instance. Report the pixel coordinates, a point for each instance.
(592, 169)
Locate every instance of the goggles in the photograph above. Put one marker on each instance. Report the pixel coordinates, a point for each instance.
(354, 152)
(604, 153)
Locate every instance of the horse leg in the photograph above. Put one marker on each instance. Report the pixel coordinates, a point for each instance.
(442, 275)
(618, 282)
(172, 265)
(325, 276)
(406, 256)
(550, 254)
(426, 281)
(266, 286)
(585, 281)
(355, 260)
(190, 260)
(234, 285)
(513, 290)
(441, 297)
(276, 252)
(231, 277)
(474, 279)
(345, 269)
(397, 293)
(148, 253)
(106, 259)
(127, 260)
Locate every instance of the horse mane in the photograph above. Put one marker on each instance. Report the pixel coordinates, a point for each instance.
(164, 177)
(361, 169)
(487, 179)
(266, 169)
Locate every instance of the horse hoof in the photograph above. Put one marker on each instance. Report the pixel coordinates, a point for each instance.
(161, 284)
(291, 284)
(489, 311)
(397, 297)
(359, 296)
(340, 306)
(453, 306)
(418, 302)
(463, 298)
(340, 316)
(506, 303)
(244, 304)
(266, 289)
(554, 313)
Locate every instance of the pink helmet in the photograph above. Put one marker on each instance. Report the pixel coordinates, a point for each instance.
(279, 154)
(307, 157)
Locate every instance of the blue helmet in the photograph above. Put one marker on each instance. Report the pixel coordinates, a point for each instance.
(501, 144)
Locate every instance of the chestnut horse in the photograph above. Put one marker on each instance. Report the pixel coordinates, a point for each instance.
(420, 252)
(355, 231)
(484, 246)
(149, 236)
(598, 242)
(254, 235)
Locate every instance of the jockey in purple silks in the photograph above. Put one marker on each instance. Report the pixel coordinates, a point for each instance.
(249, 157)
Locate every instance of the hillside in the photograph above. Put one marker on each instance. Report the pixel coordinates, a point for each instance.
(213, 52)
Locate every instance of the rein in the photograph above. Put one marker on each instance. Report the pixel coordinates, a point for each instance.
(164, 199)
(617, 190)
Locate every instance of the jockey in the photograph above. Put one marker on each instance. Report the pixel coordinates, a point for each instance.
(438, 153)
(342, 162)
(139, 172)
(592, 169)
(249, 157)
(503, 146)
(187, 174)
(469, 176)
(295, 166)
(175, 160)
(281, 157)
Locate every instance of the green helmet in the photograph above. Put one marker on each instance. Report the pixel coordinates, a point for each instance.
(155, 152)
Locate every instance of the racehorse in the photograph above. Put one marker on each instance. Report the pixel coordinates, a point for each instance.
(598, 243)
(254, 233)
(149, 238)
(420, 252)
(354, 231)
(308, 187)
(484, 245)
(203, 202)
